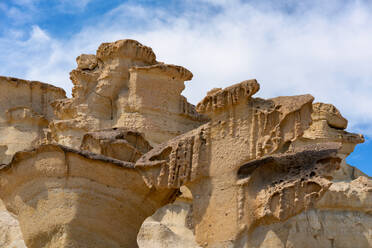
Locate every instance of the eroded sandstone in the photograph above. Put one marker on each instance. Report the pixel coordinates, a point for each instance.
(128, 162)
(123, 86)
(69, 198)
(25, 113)
(10, 232)
(170, 226)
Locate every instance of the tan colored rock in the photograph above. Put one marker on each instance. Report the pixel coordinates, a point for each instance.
(330, 113)
(86, 62)
(328, 126)
(169, 227)
(10, 233)
(235, 171)
(207, 160)
(25, 113)
(355, 195)
(292, 183)
(315, 228)
(338, 204)
(341, 218)
(121, 144)
(311, 228)
(123, 86)
(69, 198)
(155, 106)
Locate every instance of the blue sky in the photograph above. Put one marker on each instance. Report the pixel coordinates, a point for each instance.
(290, 47)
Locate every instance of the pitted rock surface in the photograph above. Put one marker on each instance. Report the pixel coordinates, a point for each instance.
(129, 162)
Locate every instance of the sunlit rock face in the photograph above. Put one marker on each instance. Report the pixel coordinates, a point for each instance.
(129, 162)
(65, 197)
(170, 226)
(10, 233)
(25, 113)
(329, 126)
(123, 86)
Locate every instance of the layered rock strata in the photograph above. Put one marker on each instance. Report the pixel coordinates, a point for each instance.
(288, 216)
(25, 113)
(123, 86)
(211, 161)
(69, 198)
(128, 162)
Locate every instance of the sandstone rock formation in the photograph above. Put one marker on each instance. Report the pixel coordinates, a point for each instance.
(91, 199)
(346, 204)
(328, 126)
(10, 233)
(121, 144)
(25, 113)
(170, 226)
(129, 162)
(124, 86)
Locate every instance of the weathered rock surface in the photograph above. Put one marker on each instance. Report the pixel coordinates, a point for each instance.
(10, 233)
(25, 113)
(128, 162)
(124, 86)
(212, 162)
(69, 198)
(341, 218)
(170, 226)
(346, 203)
(117, 143)
(316, 228)
(328, 126)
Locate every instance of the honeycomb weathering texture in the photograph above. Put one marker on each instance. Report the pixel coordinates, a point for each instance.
(129, 162)
(218, 98)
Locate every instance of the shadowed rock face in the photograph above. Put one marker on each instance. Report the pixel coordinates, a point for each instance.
(244, 171)
(278, 187)
(118, 143)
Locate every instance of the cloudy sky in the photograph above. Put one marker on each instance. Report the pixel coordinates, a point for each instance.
(322, 47)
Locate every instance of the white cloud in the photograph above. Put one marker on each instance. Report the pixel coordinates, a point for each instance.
(324, 49)
(17, 15)
(71, 6)
(31, 6)
(38, 35)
